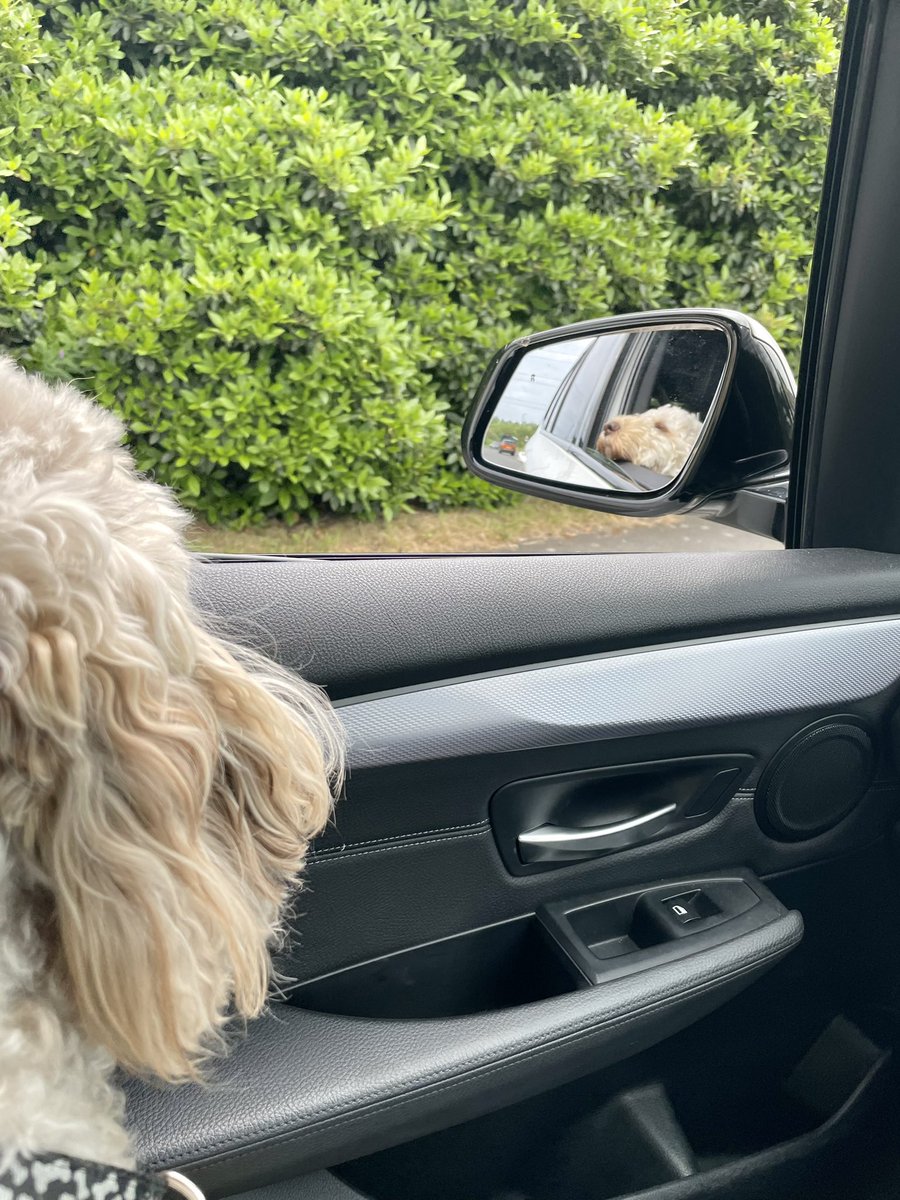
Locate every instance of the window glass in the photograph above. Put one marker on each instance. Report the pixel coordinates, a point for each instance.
(284, 239)
(586, 382)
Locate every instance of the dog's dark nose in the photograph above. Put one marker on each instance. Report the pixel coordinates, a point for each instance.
(611, 427)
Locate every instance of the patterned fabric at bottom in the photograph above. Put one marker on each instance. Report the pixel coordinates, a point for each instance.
(57, 1177)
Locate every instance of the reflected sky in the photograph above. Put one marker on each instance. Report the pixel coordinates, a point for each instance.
(536, 378)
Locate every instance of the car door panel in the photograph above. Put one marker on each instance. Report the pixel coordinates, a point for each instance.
(434, 885)
(587, 664)
(619, 695)
(306, 1089)
(362, 625)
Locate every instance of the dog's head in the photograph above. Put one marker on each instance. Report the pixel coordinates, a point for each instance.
(660, 439)
(632, 437)
(158, 788)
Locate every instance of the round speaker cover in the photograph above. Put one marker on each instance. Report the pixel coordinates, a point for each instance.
(816, 779)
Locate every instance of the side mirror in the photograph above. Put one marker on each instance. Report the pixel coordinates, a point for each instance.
(646, 414)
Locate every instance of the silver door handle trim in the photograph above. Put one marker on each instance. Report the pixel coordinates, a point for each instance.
(557, 841)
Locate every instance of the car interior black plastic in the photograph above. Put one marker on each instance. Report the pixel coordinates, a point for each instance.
(788, 1091)
(499, 966)
(305, 1089)
(575, 943)
(663, 1130)
(396, 622)
(816, 778)
(624, 932)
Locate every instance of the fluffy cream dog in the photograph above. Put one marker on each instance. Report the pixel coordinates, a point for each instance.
(659, 439)
(158, 788)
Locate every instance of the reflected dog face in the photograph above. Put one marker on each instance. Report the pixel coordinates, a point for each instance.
(659, 439)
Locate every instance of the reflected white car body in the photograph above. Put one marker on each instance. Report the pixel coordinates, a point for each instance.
(547, 459)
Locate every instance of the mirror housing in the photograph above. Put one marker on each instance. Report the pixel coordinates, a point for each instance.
(737, 471)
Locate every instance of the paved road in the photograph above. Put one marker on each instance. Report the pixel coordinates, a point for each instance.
(510, 462)
(681, 534)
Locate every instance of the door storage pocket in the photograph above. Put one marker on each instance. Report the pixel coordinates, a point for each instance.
(498, 966)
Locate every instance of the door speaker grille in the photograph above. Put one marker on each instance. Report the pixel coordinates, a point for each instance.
(816, 779)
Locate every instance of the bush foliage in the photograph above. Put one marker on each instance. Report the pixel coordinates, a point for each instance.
(283, 238)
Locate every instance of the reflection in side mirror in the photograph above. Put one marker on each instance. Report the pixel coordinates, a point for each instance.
(618, 411)
(646, 414)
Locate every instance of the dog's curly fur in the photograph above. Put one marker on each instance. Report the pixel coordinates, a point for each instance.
(158, 787)
(659, 439)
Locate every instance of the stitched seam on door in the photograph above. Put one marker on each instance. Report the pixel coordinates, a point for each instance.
(408, 845)
(397, 837)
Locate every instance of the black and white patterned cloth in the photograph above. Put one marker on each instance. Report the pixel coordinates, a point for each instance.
(57, 1177)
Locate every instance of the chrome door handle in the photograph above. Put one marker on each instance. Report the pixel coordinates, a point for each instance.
(549, 842)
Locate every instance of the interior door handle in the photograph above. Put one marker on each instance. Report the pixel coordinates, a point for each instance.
(549, 842)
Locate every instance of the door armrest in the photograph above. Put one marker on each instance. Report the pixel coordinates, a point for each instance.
(303, 1090)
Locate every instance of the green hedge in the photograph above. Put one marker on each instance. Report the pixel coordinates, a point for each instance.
(283, 237)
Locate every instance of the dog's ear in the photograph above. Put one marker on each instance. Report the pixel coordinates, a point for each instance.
(161, 791)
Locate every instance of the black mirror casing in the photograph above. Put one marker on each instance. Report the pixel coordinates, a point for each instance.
(739, 468)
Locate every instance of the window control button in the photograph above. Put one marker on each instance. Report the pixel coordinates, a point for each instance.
(661, 918)
(684, 908)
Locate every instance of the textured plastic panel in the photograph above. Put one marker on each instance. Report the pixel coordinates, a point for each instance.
(650, 691)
